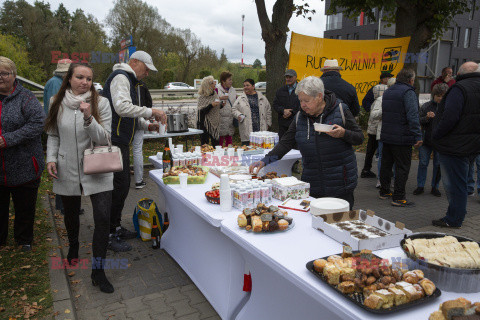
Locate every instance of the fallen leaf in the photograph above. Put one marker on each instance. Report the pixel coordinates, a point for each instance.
(41, 300)
(24, 297)
(78, 296)
(67, 311)
(71, 274)
(26, 267)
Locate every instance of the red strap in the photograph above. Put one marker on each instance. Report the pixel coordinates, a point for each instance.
(247, 282)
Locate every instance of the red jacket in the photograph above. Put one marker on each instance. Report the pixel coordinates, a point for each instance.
(440, 80)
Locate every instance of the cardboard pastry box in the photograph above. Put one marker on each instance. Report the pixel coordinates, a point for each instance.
(395, 231)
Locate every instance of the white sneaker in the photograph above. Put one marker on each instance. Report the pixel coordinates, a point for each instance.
(378, 184)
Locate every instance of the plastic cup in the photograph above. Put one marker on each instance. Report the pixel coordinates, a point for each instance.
(161, 129)
(240, 153)
(198, 149)
(183, 180)
(180, 148)
(160, 155)
(231, 152)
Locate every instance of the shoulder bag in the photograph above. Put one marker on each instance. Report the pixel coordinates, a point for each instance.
(102, 159)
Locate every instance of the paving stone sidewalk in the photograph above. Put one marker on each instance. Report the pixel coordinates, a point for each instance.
(155, 287)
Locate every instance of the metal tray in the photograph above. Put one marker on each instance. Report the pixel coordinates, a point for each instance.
(358, 298)
(446, 278)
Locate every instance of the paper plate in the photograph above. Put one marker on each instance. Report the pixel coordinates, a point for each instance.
(328, 205)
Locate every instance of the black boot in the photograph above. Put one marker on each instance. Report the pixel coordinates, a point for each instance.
(99, 278)
(72, 256)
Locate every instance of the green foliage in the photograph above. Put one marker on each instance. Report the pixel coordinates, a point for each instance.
(429, 14)
(257, 64)
(262, 75)
(204, 73)
(15, 49)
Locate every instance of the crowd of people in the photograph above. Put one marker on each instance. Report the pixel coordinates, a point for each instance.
(75, 117)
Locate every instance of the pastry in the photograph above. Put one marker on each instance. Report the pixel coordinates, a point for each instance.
(437, 315)
(369, 290)
(266, 217)
(410, 277)
(419, 289)
(288, 219)
(334, 257)
(256, 224)
(347, 277)
(282, 224)
(272, 226)
(242, 220)
(409, 289)
(428, 286)
(319, 264)
(373, 301)
(419, 274)
(248, 227)
(332, 273)
(370, 280)
(387, 296)
(400, 296)
(346, 287)
(265, 225)
(456, 307)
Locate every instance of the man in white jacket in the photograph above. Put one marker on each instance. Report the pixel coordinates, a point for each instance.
(121, 90)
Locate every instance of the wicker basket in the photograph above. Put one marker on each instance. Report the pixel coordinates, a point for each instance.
(212, 200)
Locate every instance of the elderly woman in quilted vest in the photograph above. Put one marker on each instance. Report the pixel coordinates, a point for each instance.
(78, 117)
(21, 155)
(329, 162)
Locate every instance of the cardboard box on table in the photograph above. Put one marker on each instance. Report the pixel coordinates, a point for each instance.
(396, 231)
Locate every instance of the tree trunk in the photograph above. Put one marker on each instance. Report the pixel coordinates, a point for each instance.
(410, 21)
(276, 56)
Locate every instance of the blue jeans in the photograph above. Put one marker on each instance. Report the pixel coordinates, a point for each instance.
(424, 159)
(455, 179)
(471, 171)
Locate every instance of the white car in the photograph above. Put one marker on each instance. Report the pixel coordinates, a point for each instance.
(260, 85)
(97, 86)
(177, 86)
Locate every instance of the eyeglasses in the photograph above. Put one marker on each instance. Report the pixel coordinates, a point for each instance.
(5, 74)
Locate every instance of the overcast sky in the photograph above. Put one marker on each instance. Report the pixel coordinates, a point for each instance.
(217, 23)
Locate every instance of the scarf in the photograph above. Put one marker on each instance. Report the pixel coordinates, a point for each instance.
(73, 101)
(212, 118)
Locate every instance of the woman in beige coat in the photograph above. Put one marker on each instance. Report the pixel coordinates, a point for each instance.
(252, 110)
(209, 105)
(77, 117)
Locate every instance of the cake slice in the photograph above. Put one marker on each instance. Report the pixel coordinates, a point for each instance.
(387, 296)
(400, 296)
(373, 301)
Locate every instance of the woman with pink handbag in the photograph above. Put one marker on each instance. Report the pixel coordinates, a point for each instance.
(78, 117)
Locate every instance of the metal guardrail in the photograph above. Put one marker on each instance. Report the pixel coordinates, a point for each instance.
(164, 93)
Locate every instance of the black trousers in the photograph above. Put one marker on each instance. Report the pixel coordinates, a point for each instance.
(372, 146)
(24, 200)
(101, 203)
(401, 156)
(121, 186)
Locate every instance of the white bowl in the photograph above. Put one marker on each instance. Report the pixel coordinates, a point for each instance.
(320, 127)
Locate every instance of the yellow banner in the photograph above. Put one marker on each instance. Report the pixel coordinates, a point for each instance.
(362, 60)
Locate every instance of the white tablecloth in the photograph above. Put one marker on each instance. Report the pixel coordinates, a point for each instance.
(195, 242)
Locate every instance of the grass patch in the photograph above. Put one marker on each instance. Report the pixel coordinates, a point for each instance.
(25, 291)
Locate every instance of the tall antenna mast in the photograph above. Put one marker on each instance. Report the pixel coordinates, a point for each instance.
(243, 20)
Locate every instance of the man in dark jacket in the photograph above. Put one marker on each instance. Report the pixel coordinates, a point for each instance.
(369, 98)
(127, 117)
(343, 90)
(400, 131)
(456, 137)
(286, 102)
(329, 162)
(427, 113)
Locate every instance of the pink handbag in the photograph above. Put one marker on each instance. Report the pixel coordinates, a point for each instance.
(102, 159)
